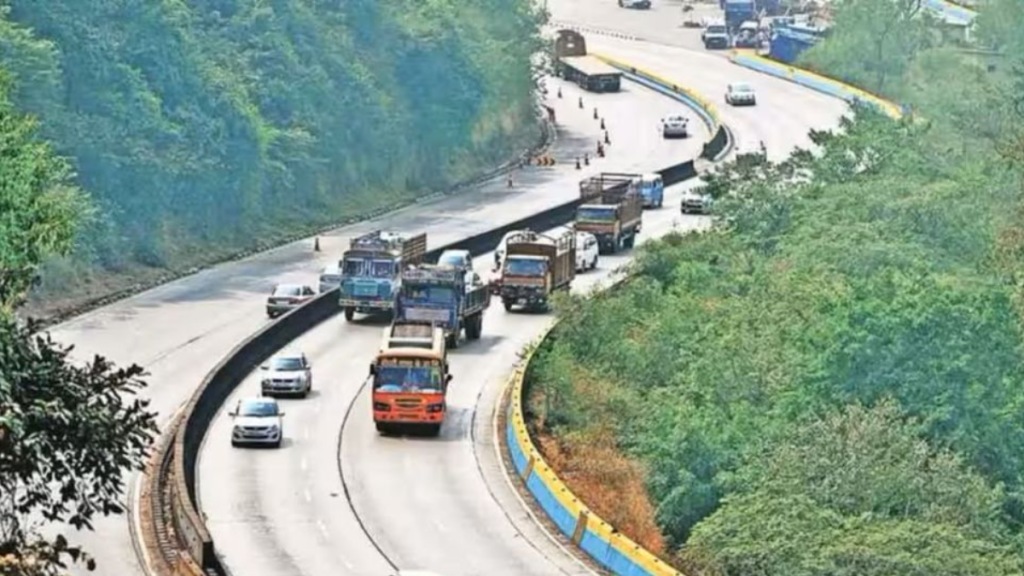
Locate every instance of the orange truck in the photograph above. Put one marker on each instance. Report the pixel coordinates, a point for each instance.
(410, 378)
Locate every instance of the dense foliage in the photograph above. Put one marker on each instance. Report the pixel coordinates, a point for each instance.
(68, 431)
(216, 123)
(829, 382)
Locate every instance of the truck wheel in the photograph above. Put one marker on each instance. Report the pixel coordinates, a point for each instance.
(385, 429)
(628, 242)
(350, 313)
(508, 304)
(453, 340)
(474, 327)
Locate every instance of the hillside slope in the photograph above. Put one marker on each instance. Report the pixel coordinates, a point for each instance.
(213, 123)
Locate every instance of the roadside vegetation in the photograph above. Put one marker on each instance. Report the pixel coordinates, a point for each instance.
(829, 382)
(68, 430)
(202, 128)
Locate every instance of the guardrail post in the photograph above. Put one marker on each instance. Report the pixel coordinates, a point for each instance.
(581, 526)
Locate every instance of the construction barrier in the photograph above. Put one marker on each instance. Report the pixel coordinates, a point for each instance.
(545, 160)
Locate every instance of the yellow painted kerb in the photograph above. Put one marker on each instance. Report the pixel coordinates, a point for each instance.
(640, 556)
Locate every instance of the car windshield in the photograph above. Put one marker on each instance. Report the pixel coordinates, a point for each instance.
(452, 260)
(596, 213)
(717, 29)
(383, 269)
(288, 290)
(525, 267)
(427, 293)
(286, 364)
(407, 378)
(742, 88)
(257, 408)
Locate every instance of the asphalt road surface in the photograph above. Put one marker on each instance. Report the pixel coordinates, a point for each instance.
(452, 512)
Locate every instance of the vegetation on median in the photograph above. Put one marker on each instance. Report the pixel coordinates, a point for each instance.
(829, 382)
(203, 128)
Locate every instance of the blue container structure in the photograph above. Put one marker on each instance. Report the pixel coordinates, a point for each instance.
(790, 41)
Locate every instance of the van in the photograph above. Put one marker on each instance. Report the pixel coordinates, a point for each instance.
(653, 189)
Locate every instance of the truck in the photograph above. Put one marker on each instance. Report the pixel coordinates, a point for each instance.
(452, 298)
(410, 376)
(611, 210)
(737, 12)
(574, 64)
(371, 270)
(535, 266)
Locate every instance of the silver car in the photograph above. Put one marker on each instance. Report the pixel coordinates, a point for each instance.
(257, 421)
(289, 373)
(694, 202)
(286, 297)
(675, 127)
(330, 277)
(740, 94)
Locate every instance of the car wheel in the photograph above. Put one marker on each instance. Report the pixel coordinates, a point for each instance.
(278, 443)
(593, 263)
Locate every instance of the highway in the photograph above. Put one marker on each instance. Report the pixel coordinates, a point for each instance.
(437, 504)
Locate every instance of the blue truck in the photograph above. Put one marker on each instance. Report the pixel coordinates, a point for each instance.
(371, 270)
(450, 297)
(737, 12)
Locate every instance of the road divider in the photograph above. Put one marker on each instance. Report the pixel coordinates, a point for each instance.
(814, 81)
(173, 528)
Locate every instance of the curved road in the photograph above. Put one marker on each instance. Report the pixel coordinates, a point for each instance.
(285, 511)
(180, 330)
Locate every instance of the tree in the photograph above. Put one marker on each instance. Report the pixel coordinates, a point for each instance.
(41, 209)
(67, 434)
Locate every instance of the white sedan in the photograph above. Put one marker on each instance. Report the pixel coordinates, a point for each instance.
(258, 421)
(287, 373)
(675, 126)
(740, 94)
(586, 251)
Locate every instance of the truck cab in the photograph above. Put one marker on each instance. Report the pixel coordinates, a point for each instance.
(371, 270)
(448, 297)
(652, 187)
(715, 35)
(410, 377)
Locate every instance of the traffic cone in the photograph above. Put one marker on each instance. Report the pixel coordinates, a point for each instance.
(602, 123)
(600, 149)
(559, 91)
(595, 113)
(586, 159)
(509, 180)
(316, 244)
(581, 102)
(607, 140)
(577, 162)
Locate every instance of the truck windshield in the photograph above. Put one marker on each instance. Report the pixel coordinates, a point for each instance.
(716, 29)
(525, 267)
(596, 213)
(390, 378)
(382, 269)
(352, 267)
(432, 294)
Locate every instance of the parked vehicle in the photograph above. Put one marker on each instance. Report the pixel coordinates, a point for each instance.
(286, 297)
(257, 421)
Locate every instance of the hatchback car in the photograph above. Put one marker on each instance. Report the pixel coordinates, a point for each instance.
(287, 373)
(675, 126)
(740, 94)
(330, 277)
(287, 297)
(257, 421)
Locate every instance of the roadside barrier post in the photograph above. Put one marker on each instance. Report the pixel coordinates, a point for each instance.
(595, 113)
(577, 162)
(581, 102)
(316, 244)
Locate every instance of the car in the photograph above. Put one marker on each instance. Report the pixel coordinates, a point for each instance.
(286, 297)
(715, 35)
(258, 421)
(330, 277)
(639, 4)
(287, 373)
(740, 93)
(695, 202)
(748, 35)
(675, 126)
(457, 259)
(586, 251)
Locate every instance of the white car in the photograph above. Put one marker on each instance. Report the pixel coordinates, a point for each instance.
(287, 374)
(694, 202)
(258, 421)
(330, 277)
(675, 126)
(586, 251)
(456, 259)
(740, 94)
(639, 4)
